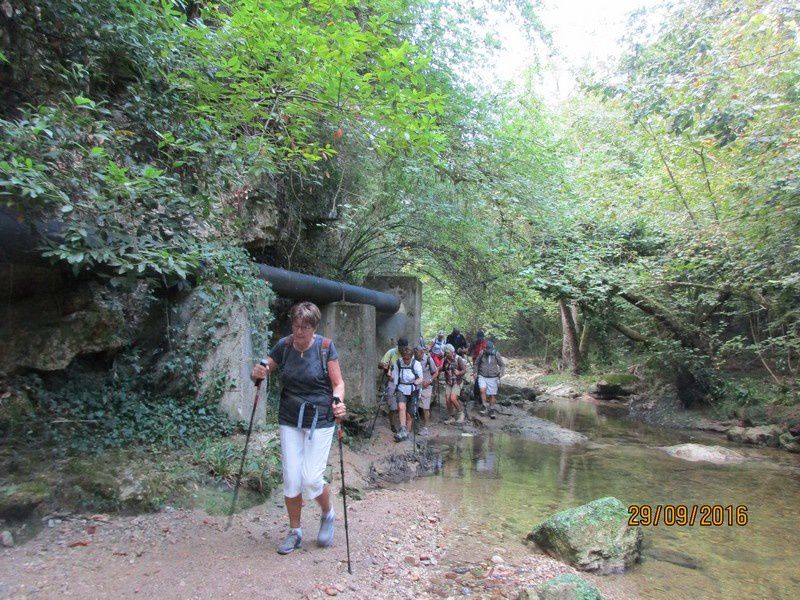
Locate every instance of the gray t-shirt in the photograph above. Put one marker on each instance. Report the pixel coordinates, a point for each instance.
(304, 380)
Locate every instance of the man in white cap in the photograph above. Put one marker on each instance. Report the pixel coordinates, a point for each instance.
(489, 367)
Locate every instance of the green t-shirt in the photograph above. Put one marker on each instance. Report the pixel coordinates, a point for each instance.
(392, 355)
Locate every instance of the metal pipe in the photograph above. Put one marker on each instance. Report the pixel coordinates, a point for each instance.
(19, 239)
(308, 287)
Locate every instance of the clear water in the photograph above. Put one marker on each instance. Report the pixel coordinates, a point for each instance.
(521, 482)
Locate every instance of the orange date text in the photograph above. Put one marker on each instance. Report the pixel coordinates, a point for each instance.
(672, 515)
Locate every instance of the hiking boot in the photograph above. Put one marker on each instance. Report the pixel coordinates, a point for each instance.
(290, 543)
(450, 421)
(401, 435)
(482, 410)
(492, 413)
(325, 535)
(460, 418)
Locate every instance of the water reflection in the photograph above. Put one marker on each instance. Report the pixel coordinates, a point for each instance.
(523, 482)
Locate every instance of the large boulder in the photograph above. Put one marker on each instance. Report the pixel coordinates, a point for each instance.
(789, 442)
(614, 385)
(544, 432)
(697, 452)
(47, 333)
(563, 587)
(562, 390)
(594, 537)
(763, 435)
(517, 391)
(19, 500)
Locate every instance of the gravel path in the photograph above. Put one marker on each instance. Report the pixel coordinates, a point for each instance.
(404, 543)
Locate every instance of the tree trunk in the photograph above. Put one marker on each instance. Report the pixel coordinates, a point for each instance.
(689, 335)
(583, 348)
(570, 347)
(629, 332)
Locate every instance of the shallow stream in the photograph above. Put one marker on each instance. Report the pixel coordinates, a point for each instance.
(505, 482)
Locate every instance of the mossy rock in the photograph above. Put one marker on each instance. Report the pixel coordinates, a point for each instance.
(563, 587)
(133, 487)
(593, 537)
(789, 442)
(15, 406)
(17, 501)
(623, 379)
(91, 478)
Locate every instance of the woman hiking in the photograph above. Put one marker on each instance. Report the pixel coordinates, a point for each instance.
(311, 379)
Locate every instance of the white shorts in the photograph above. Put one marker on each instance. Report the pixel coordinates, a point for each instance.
(304, 461)
(490, 384)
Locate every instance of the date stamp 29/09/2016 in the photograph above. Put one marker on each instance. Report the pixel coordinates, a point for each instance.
(679, 515)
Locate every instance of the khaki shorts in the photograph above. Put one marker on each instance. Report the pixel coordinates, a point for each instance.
(453, 389)
(401, 397)
(425, 395)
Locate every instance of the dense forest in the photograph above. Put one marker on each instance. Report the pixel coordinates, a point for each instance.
(650, 218)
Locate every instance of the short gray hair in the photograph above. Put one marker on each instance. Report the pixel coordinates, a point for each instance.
(307, 313)
(449, 348)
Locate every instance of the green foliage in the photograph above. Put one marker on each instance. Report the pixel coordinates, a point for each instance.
(89, 413)
(262, 470)
(660, 201)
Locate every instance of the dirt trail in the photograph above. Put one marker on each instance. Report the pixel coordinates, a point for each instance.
(404, 545)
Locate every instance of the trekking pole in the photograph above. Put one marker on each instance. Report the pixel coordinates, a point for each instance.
(439, 396)
(244, 452)
(336, 400)
(414, 397)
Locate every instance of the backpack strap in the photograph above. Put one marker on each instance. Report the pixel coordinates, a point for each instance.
(324, 352)
(287, 344)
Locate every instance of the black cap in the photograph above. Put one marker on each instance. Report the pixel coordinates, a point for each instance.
(480, 334)
(402, 342)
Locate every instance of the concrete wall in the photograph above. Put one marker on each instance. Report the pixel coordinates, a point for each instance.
(231, 355)
(352, 329)
(404, 323)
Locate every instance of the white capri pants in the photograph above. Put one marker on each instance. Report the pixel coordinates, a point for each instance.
(304, 461)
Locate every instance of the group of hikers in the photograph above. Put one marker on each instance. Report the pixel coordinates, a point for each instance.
(312, 401)
(410, 375)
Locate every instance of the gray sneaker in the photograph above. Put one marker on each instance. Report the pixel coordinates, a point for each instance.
(401, 435)
(290, 543)
(424, 431)
(325, 536)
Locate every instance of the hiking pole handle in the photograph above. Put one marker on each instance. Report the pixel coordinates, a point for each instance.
(337, 400)
(263, 363)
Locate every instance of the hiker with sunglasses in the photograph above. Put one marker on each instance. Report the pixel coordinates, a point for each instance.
(311, 377)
